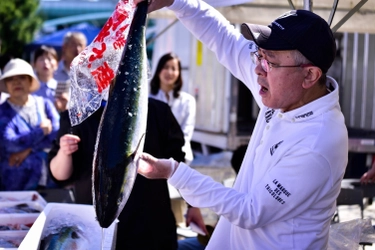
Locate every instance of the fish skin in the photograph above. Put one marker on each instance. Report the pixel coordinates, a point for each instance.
(122, 126)
(68, 238)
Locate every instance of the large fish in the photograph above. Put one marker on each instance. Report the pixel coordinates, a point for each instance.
(66, 238)
(122, 126)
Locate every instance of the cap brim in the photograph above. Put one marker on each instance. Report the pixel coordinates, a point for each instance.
(264, 37)
(257, 33)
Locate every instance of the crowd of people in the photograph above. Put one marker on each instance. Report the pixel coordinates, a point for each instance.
(39, 148)
(31, 102)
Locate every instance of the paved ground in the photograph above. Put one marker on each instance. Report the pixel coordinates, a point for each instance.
(219, 168)
(353, 213)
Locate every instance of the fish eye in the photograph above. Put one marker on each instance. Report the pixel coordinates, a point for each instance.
(75, 235)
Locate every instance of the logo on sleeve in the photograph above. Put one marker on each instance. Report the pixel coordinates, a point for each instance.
(278, 191)
(274, 147)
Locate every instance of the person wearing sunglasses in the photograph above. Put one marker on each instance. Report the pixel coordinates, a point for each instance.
(285, 193)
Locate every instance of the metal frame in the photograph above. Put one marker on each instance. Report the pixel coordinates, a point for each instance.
(348, 15)
(307, 5)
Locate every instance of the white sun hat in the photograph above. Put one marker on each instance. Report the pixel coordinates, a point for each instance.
(17, 67)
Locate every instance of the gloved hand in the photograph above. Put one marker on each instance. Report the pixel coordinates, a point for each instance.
(153, 168)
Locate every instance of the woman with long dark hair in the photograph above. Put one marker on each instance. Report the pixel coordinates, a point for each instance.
(166, 86)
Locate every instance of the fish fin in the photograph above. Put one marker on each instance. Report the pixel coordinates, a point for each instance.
(133, 156)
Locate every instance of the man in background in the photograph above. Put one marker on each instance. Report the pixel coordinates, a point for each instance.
(73, 44)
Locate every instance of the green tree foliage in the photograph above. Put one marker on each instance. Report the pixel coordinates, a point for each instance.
(19, 22)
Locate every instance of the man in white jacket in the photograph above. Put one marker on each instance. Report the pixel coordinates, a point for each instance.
(285, 193)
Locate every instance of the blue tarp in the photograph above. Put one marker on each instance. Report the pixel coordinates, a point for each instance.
(56, 39)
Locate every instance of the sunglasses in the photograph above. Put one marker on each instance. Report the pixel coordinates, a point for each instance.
(267, 66)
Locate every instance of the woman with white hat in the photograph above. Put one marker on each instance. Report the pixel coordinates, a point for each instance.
(28, 124)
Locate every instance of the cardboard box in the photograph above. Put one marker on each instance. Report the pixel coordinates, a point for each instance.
(82, 214)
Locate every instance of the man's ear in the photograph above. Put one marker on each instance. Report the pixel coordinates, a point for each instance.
(312, 76)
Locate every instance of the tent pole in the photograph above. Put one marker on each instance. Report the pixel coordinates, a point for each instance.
(333, 11)
(348, 15)
(161, 32)
(291, 5)
(307, 5)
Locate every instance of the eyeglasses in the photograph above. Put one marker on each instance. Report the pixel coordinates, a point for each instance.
(267, 66)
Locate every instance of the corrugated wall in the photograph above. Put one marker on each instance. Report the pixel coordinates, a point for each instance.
(358, 79)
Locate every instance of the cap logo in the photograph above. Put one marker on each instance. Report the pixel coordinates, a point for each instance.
(256, 35)
(278, 25)
(290, 13)
(285, 15)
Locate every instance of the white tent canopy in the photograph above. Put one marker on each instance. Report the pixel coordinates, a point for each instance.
(265, 11)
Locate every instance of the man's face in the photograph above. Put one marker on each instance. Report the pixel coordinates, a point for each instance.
(72, 48)
(281, 87)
